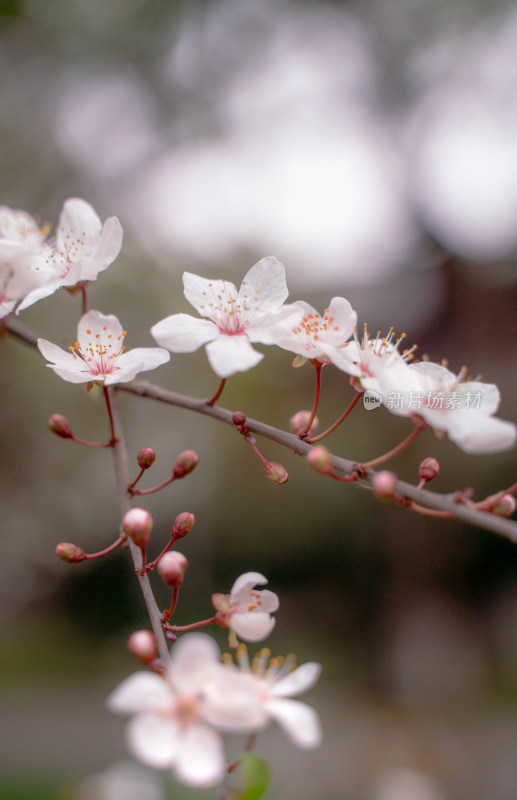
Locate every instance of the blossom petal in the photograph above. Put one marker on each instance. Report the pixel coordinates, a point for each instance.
(252, 626)
(230, 354)
(297, 681)
(93, 321)
(234, 702)
(244, 583)
(63, 363)
(140, 359)
(299, 721)
(477, 433)
(273, 325)
(78, 222)
(193, 659)
(344, 318)
(154, 739)
(182, 333)
(142, 691)
(264, 285)
(201, 761)
(202, 292)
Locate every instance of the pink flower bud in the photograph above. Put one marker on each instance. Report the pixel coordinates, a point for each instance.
(504, 506)
(59, 425)
(384, 485)
(298, 423)
(275, 472)
(145, 457)
(70, 553)
(143, 645)
(429, 469)
(172, 566)
(182, 524)
(137, 524)
(320, 460)
(238, 418)
(185, 463)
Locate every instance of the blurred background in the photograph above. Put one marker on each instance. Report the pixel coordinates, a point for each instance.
(371, 147)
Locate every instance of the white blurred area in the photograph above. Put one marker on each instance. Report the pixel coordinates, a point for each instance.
(271, 135)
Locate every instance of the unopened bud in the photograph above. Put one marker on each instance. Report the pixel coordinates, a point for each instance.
(429, 469)
(299, 421)
(275, 472)
(320, 460)
(504, 506)
(70, 553)
(183, 523)
(145, 457)
(384, 485)
(185, 463)
(137, 524)
(143, 645)
(59, 425)
(238, 418)
(172, 566)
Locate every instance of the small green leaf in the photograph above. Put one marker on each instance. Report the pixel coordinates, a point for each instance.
(256, 776)
(298, 361)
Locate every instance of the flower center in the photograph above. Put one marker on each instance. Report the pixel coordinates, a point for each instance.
(227, 309)
(381, 351)
(185, 710)
(99, 353)
(314, 327)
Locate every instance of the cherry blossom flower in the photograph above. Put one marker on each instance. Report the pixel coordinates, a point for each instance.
(315, 336)
(98, 353)
(461, 408)
(255, 313)
(276, 680)
(81, 248)
(178, 716)
(246, 611)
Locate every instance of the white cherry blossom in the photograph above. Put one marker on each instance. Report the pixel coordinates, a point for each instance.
(246, 611)
(234, 319)
(98, 353)
(37, 266)
(276, 680)
(461, 408)
(178, 716)
(315, 336)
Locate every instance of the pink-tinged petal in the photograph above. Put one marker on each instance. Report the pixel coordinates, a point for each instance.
(233, 701)
(489, 395)
(155, 739)
(272, 326)
(141, 692)
(138, 360)
(57, 356)
(203, 293)
(252, 626)
(95, 321)
(344, 318)
(264, 285)
(88, 266)
(201, 762)
(269, 601)
(230, 354)
(182, 333)
(244, 583)
(298, 720)
(476, 433)
(6, 308)
(79, 226)
(193, 659)
(297, 681)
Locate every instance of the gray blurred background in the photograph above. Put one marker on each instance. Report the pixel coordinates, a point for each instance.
(371, 147)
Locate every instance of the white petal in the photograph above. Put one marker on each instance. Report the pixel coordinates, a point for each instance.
(264, 285)
(95, 321)
(299, 721)
(244, 583)
(138, 360)
(233, 701)
(58, 356)
(78, 222)
(344, 317)
(490, 396)
(88, 266)
(297, 681)
(154, 739)
(193, 659)
(230, 354)
(182, 333)
(6, 308)
(201, 292)
(201, 761)
(39, 294)
(252, 626)
(274, 325)
(477, 433)
(142, 691)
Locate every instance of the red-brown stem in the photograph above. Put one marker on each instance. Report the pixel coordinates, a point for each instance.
(130, 487)
(167, 547)
(252, 443)
(87, 443)
(398, 449)
(110, 414)
(315, 404)
(337, 423)
(344, 478)
(168, 614)
(248, 747)
(430, 512)
(153, 488)
(218, 394)
(117, 543)
(191, 626)
(84, 300)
